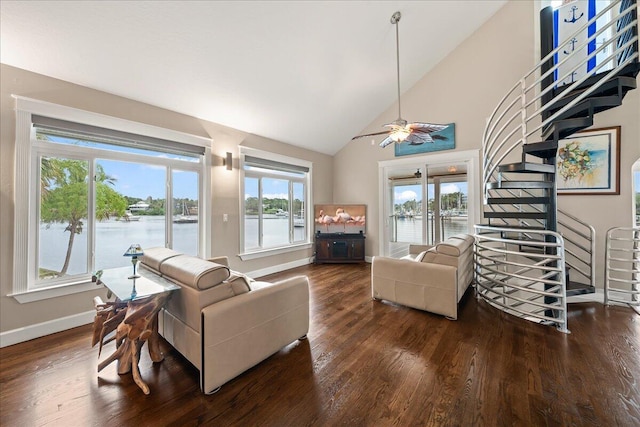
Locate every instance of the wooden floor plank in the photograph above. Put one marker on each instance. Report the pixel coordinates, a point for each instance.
(364, 363)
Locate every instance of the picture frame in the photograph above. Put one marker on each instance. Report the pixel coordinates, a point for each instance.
(588, 163)
(442, 140)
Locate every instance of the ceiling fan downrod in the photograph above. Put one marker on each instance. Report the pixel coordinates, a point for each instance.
(395, 18)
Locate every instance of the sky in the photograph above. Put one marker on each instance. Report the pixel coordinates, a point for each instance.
(141, 181)
(414, 192)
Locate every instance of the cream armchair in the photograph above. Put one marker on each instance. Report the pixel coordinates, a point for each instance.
(433, 280)
(222, 321)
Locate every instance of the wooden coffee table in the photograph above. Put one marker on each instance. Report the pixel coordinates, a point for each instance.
(133, 316)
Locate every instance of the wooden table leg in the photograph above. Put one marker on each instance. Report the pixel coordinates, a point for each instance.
(154, 342)
(140, 324)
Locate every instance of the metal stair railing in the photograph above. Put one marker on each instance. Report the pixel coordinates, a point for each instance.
(579, 246)
(516, 118)
(529, 285)
(622, 267)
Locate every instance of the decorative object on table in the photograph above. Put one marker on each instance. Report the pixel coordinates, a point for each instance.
(134, 252)
(441, 140)
(399, 130)
(588, 162)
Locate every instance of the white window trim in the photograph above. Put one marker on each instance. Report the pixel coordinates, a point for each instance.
(261, 253)
(24, 239)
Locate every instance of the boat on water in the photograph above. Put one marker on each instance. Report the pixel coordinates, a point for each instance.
(185, 218)
(129, 217)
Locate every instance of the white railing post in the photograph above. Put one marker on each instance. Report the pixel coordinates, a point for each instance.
(523, 109)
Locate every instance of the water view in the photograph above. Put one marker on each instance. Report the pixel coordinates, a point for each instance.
(112, 240)
(113, 237)
(409, 230)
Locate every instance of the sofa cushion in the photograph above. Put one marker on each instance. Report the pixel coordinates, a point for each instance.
(239, 282)
(194, 272)
(455, 245)
(427, 256)
(433, 257)
(420, 256)
(153, 257)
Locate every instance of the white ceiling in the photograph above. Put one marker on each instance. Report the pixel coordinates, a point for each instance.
(308, 73)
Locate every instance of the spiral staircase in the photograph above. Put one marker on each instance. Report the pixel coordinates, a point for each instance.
(529, 255)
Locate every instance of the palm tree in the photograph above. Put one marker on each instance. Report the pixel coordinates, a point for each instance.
(65, 197)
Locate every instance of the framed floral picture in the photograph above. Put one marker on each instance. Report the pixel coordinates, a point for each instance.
(588, 162)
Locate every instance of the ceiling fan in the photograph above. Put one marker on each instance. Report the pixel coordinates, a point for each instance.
(399, 130)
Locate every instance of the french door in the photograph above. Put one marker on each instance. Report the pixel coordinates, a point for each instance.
(426, 202)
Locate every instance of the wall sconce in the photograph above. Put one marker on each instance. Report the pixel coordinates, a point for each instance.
(228, 161)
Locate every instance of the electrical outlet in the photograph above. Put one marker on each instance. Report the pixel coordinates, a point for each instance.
(225, 217)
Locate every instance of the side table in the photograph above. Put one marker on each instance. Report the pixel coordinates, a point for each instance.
(133, 316)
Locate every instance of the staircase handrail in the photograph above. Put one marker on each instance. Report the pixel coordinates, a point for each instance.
(521, 82)
(549, 56)
(490, 151)
(540, 295)
(583, 241)
(622, 271)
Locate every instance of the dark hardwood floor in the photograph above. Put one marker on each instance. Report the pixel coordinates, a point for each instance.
(365, 363)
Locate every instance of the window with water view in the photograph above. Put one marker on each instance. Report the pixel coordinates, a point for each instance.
(96, 198)
(274, 204)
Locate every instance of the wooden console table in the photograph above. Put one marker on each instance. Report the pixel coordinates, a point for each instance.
(339, 248)
(133, 316)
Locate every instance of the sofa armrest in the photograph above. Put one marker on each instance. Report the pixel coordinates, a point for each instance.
(222, 260)
(240, 332)
(430, 287)
(416, 249)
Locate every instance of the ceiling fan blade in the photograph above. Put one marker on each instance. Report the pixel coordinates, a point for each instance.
(385, 132)
(386, 142)
(418, 138)
(427, 127)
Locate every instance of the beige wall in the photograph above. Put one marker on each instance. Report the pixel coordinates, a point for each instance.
(225, 184)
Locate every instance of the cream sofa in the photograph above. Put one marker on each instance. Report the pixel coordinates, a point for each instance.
(223, 322)
(434, 279)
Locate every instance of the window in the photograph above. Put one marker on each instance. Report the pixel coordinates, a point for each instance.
(275, 202)
(94, 190)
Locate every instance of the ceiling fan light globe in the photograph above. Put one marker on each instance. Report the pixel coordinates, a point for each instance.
(400, 135)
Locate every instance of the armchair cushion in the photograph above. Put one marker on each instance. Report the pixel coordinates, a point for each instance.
(154, 257)
(455, 245)
(194, 272)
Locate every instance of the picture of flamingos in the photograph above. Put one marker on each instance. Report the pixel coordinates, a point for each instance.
(347, 219)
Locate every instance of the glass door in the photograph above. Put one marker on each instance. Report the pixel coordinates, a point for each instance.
(426, 205)
(452, 206)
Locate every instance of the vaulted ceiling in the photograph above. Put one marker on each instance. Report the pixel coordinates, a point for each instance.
(308, 73)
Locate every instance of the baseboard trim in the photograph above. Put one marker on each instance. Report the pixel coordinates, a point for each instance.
(39, 330)
(279, 267)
